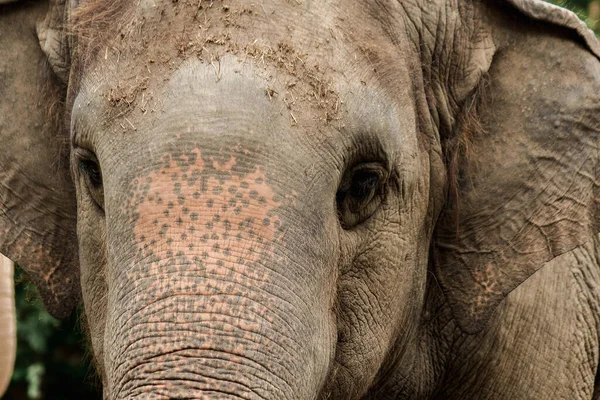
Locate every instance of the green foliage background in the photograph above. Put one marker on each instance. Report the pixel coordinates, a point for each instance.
(51, 362)
(588, 10)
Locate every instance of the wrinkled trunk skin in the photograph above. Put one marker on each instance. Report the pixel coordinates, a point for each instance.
(8, 338)
(208, 299)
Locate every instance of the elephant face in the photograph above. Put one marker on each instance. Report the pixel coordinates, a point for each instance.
(254, 224)
(262, 191)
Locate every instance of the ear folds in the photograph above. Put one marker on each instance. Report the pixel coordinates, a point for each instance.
(37, 202)
(528, 186)
(546, 12)
(53, 41)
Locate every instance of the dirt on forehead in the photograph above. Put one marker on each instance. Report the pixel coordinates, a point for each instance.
(156, 37)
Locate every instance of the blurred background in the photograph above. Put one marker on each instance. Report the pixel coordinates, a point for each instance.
(588, 10)
(50, 353)
(51, 360)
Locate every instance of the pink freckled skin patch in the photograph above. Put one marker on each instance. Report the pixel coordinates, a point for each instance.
(200, 228)
(200, 213)
(203, 213)
(227, 166)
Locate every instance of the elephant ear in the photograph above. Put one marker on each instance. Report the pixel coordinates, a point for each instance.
(527, 182)
(37, 201)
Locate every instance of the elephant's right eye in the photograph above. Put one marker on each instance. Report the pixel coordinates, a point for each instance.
(90, 171)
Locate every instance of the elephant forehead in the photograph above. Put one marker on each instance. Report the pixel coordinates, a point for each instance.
(226, 86)
(292, 43)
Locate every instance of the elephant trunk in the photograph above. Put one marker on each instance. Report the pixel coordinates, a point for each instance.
(7, 323)
(216, 330)
(212, 299)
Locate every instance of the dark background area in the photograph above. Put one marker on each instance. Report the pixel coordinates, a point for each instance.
(51, 360)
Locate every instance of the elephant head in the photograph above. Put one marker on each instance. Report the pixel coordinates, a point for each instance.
(250, 198)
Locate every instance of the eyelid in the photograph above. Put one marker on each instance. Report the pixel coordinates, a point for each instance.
(81, 154)
(87, 167)
(375, 168)
(81, 135)
(84, 153)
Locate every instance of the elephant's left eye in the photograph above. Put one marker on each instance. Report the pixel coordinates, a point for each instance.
(92, 170)
(360, 193)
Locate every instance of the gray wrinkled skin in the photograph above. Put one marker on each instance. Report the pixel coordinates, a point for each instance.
(309, 200)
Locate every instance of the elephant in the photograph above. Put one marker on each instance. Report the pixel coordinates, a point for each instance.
(335, 199)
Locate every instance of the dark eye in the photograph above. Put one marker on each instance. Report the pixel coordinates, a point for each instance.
(360, 194)
(363, 187)
(90, 172)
